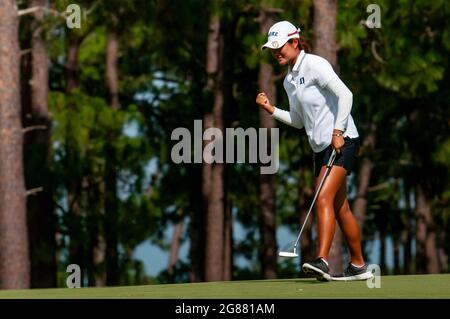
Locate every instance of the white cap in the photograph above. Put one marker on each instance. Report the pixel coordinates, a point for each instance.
(280, 33)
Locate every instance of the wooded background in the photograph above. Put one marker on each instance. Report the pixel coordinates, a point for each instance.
(86, 116)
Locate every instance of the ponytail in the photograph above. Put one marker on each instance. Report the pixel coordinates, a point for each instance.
(303, 44)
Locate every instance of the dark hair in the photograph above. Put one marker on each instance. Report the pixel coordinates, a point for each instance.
(302, 43)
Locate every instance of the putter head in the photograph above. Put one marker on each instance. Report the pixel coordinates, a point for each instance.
(287, 254)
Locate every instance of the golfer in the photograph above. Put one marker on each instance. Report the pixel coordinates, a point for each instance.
(321, 103)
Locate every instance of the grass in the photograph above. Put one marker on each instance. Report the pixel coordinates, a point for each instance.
(412, 286)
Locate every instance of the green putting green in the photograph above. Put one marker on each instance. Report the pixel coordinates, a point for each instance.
(412, 286)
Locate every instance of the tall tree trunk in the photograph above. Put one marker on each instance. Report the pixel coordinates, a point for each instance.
(196, 227)
(381, 222)
(396, 256)
(325, 23)
(95, 230)
(72, 66)
(360, 203)
(409, 266)
(215, 216)
(383, 252)
(175, 246)
(228, 243)
(95, 265)
(408, 235)
(14, 254)
(305, 197)
(325, 45)
(111, 214)
(111, 202)
(77, 253)
(228, 48)
(267, 181)
(98, 275)
(427, 260)
(443, 259)
(200, 254)
(41, 217)
(426, 252)
(112, 73)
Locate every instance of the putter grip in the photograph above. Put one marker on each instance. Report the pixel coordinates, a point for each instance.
(331, 160)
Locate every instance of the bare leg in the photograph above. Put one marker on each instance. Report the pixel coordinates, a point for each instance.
(326, 219)
(349, 225)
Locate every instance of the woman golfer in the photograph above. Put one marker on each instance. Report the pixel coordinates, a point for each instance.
(321, 103)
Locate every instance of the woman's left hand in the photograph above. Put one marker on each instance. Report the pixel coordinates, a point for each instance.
(337, 141)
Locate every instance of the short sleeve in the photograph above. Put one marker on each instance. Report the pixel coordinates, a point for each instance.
(323, 71)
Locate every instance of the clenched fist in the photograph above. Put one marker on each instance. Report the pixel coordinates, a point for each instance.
(263, 101)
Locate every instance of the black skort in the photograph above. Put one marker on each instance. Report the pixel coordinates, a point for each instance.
(346, 159)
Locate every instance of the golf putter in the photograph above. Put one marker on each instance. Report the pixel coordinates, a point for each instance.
(294, 254)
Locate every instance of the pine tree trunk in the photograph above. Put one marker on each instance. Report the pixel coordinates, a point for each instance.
(409, 267)
(426, 253)
(112, 73)
(14, 253)
(443, 260)
(111, 201)
(408, 235)
(227, 53)
(215, 215)
(37, 148)
(396, 257)
(335, 256)
(228, 244)
(206, 191)
(77, 252)
(325, 24)
(175, 246)
(98, 275)
(215, 218)
(196, 227)
(305, 195)
(360, 203)
(72, 67)
(383, 267)
(267, 181)
(324, 45)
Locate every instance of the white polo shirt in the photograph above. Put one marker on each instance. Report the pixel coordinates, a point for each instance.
(312, 104)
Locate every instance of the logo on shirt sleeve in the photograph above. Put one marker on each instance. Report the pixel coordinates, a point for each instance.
(302, 80)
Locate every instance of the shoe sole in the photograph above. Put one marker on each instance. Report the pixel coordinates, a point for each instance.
(320, 275)
(363, 276)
